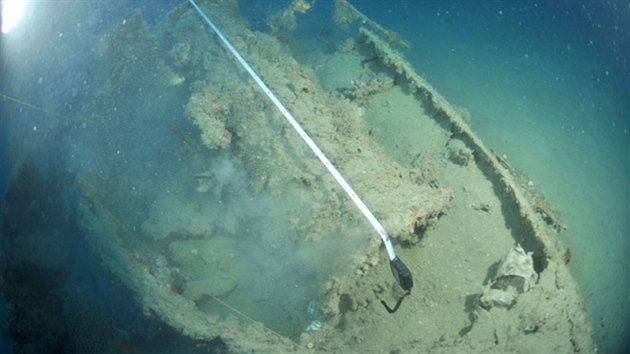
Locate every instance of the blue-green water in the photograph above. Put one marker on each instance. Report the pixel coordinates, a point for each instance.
(547, 84)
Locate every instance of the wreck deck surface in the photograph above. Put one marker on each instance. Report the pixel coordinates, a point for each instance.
(454, 209)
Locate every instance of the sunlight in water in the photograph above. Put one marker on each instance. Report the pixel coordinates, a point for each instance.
(12, 11)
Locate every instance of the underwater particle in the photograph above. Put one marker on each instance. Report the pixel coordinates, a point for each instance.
(307, 340)
(311, 309)
(301, 6)
(314, 326)
(566, 257)
(459, 153)
(177, 80)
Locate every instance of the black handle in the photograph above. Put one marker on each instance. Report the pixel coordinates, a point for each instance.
(404, 279)
(402, 274)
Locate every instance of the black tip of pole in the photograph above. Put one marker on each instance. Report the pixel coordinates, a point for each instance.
(404, 279)
(402, 274)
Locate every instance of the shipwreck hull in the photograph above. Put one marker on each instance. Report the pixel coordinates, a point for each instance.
(452, 206)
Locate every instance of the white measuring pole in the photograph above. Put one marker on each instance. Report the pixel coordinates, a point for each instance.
(307, 139)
